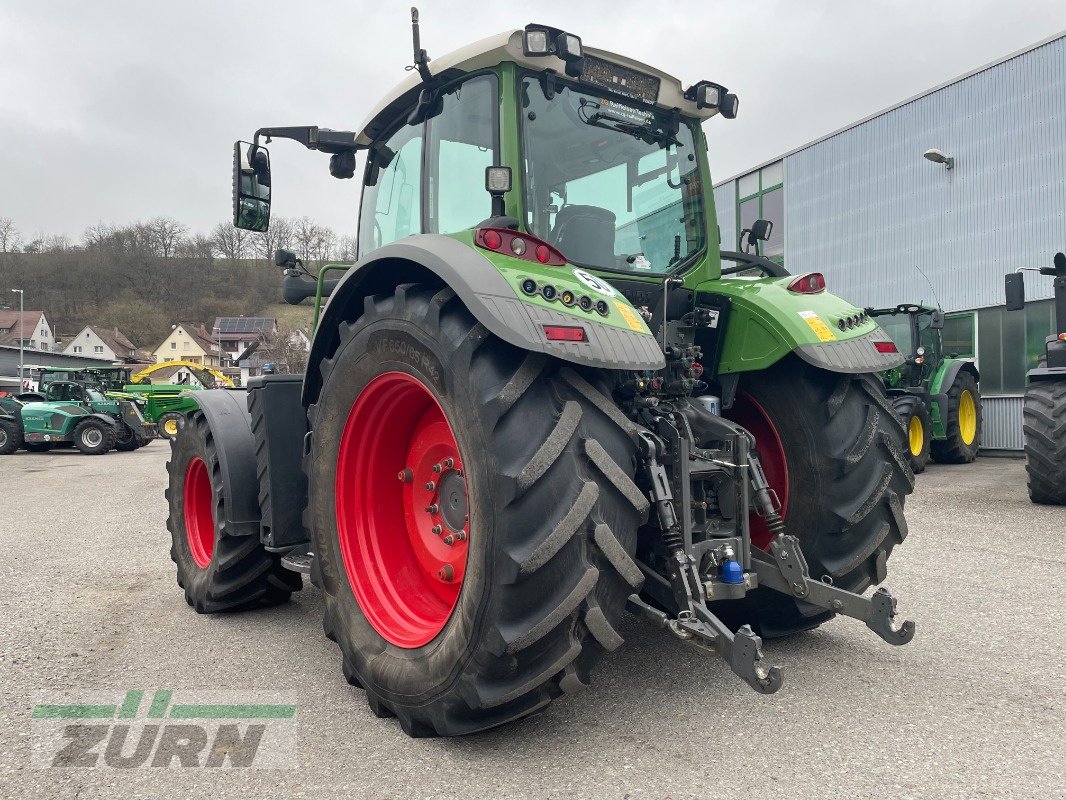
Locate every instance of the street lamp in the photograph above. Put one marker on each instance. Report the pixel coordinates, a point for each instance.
(937, 157)
(22, 335)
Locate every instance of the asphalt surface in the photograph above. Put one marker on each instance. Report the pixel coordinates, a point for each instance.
(973, 707)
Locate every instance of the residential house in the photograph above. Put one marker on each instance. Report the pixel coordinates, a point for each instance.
(188, 342)
(177, 375)
(35, 330)
(237, 334)
(109, 343)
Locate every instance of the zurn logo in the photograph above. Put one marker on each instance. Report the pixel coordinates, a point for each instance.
(169, 729)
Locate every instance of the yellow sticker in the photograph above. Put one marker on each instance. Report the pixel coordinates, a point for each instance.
(821, 330)
(632, 320)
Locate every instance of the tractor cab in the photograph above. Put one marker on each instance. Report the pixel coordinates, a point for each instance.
(916, 331)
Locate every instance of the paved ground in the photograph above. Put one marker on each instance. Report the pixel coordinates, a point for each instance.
(974, 707)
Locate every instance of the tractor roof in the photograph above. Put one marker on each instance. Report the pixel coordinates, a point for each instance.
(507, 46)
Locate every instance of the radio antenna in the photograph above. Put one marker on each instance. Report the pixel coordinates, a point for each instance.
(421, 58)
(933, 290)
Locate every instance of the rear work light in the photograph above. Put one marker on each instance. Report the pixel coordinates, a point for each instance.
(519, 245)
(811, 283)
(886, 347)
(565, 333)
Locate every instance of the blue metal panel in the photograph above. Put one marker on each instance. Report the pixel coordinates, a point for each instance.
(725, 205)
(865, 208)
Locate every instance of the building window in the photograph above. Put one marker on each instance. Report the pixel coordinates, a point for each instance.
(186, 347)
(98, 349)
(761, 195)
(958, 336)
(173, 345)
(1009, 344)
(77, 348)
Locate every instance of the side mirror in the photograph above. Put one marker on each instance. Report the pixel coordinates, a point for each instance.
(1014, 288)
(937, 322)
(251, 187)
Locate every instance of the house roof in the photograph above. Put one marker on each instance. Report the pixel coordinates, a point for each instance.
(115, 339)
(238, 325)
(9, 324)
(199, 334)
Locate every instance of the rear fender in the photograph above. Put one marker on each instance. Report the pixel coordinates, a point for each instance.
(766, 322)
(939, 386)
(490, 297)
(227, 416)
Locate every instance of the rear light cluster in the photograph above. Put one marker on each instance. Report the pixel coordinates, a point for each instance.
(565, 333)
(811, 283)
(854, 321)
(886, 347)
(519, 245)
(566, 297)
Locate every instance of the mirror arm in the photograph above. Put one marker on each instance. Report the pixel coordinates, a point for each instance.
(313, 138)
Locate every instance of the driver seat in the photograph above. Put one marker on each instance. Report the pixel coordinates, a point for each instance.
(585, 234)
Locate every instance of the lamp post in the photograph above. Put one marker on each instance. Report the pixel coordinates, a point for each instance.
(22, 335)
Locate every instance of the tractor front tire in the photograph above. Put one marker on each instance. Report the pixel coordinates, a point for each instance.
(170, 424)
(918, 425)
(1044, 425)
(835, 453)
(94, 437)
(962, 424)
(10, 437)
(473, 516)
(218, 569)
(127, 439)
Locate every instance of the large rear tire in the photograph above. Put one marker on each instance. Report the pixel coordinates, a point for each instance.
(918, 426)
(962, 426)
(834, 450)
(218, 569)
(546, 499)
(1044, 426)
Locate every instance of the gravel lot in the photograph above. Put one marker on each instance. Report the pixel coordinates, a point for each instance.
(974, 707)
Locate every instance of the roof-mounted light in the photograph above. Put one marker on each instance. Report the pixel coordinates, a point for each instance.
(543, 40)
(708, 94)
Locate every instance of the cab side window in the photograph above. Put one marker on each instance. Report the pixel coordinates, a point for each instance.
(461, 142)
(392, 207)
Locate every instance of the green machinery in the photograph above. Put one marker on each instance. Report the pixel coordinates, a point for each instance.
(936, 394)
(539, 398)
(163, 404)
(1044, 412)
(72, 414)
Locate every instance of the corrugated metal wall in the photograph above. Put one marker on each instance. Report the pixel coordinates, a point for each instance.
(1002, 427)
(864, 207)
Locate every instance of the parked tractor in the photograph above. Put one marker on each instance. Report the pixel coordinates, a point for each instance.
(936, 395)
(163, 404)
(535, 401)
(1044, 413)
(37, 427)
(131, 431)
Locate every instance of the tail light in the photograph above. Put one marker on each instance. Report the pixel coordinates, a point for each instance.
(811, 283)
(518, 245)
(564, 333)
(886, 347)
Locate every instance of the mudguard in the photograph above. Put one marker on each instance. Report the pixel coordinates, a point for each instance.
(767, 321)
(226, 411)
(487, 294)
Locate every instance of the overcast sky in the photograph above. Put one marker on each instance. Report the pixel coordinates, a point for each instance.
(117, 111)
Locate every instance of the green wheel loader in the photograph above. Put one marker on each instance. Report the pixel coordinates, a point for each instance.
(133, 429)
(537, 400)
(937, 396)
(37, 427)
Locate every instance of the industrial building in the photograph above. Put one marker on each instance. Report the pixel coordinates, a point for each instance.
(865, 208)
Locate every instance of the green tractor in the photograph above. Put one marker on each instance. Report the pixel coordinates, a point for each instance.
(537, 399)
(132, 429)
(1044, 413)
(936, 395)
(165, 405)
(37, 427)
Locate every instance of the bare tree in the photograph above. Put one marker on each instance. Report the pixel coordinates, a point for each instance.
(305, 236)
(346, 249)
(230, 242)
(278, 235)
(166, 233)
(9, 235)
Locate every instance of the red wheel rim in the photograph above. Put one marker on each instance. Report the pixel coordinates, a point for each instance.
(402, 514)
(747, 412)
(199, 520)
